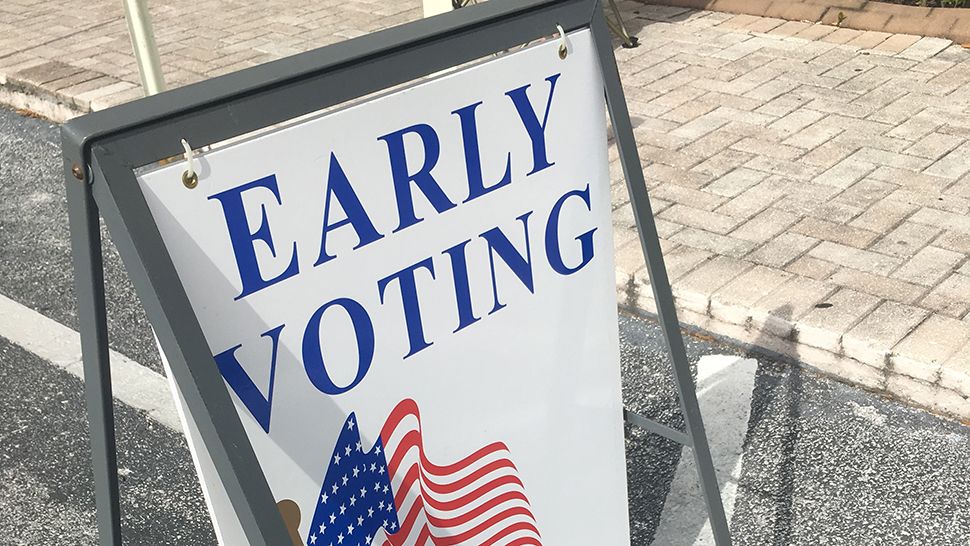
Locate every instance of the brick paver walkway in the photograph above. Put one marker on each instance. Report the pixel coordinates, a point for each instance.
(811, 184)
(78, 51)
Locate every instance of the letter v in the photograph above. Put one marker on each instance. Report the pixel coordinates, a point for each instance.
(240, 382)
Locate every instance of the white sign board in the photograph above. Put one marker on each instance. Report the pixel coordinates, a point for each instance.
(412, 302)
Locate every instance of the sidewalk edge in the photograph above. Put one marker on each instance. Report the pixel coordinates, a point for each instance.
(882, 379)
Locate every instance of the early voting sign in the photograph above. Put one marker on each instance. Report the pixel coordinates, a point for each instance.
(412, 303)
(393, 323)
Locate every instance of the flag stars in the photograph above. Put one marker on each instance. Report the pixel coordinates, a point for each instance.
(346, 514)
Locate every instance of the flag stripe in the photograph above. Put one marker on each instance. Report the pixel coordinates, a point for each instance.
(525, 541)
(475, 531)
(477, 500)
(413, 514)
(413, 476)
(408, 408)
(412, 440)
(481, 509)
(513, 529)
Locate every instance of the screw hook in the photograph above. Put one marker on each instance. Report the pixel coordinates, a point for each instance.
(190, 178)
(563, 43)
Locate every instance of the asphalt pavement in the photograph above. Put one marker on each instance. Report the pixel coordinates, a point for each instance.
(802, 459)
(35, 246)
(46, 483)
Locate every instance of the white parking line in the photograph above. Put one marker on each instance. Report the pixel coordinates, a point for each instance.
(132, 383)
(725, 385)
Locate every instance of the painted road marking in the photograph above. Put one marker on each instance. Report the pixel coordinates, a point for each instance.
(132, 383)
(725, 385)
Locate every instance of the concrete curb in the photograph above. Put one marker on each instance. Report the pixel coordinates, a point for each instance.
(23, 94)
(946, 391)
(951, 23)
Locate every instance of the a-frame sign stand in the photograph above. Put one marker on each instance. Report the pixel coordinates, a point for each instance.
(102, 149)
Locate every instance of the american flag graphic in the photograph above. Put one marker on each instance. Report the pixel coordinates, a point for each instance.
(393, 495)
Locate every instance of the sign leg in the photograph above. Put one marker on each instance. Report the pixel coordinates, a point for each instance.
(92, 320)
(667, 313)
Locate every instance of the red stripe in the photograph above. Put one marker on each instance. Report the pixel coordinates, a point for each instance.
(413, 439)
(454, 504)
(512, 529)
(412, 517)
(445, 506)
(414, 473)
(447, 488)
(395, 539)
(425, 537)
(408, 407)
(428, 489)
(462, 464)
(479, 510)
(525, 541)
(406, 484)
(478, 529)
(403, 409)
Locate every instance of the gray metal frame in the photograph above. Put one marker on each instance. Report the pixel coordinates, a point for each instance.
(102, 149)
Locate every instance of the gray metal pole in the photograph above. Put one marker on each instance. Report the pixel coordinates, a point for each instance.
(650, 241)
(190, 359)
(89, 286)
(143, 44)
